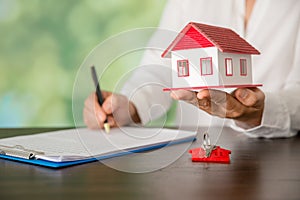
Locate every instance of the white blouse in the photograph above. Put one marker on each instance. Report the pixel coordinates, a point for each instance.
(273, 29)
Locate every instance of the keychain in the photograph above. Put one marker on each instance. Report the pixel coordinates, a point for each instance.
(210, 153)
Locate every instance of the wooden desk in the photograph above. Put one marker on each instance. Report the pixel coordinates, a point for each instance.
(260, 169)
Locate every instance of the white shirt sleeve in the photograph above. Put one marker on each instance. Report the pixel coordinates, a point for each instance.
(145, 86)
(281, 116)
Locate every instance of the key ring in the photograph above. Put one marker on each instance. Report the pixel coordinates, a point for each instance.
(206, 141)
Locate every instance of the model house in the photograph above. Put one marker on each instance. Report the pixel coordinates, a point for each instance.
(205, 56)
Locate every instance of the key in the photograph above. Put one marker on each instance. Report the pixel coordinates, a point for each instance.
(209, 150)
(207, 146)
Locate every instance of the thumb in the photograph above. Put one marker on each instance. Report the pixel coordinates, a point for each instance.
(246, 96)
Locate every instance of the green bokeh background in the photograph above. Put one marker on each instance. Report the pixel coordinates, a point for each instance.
(43, 43)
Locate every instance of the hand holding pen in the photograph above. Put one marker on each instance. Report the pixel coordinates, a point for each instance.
(113, 109)
(99, 96)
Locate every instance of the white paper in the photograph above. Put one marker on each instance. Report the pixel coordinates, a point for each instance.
(78, 144)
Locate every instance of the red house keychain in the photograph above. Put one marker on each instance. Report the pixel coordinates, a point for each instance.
(209, 153)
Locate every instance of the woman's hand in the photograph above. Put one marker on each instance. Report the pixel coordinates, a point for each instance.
(244, 105)
(116, 108)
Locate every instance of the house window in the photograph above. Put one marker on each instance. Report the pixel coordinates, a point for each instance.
(243, 67)
(183, 68)
(206, 66)
(229, 66)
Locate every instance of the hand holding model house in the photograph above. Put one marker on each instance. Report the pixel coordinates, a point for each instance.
(206, 58)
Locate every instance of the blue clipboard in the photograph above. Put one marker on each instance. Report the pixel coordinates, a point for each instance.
(57, 165)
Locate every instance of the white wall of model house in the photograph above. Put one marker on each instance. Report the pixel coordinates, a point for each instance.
(236, 78)
(219, 77)
(193, 56)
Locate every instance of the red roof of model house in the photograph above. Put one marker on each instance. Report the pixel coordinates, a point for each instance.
(195, 35)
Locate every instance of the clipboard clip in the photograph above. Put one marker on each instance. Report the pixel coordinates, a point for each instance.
(19, 151)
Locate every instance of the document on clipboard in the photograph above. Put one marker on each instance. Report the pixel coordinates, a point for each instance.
(75, 146)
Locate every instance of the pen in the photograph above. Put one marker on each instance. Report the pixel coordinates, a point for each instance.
(99, 96)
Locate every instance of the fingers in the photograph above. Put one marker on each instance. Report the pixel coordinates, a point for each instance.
(120, 108)
(107, 107)
(115, 108)
(105, 94)
(203, 94)
(91, 104)
(93, 114)
(90, 119)
(110, 105)
(244, 105)
(111, 121)
(113, 102)
(219, 103)
(185, 95)
(251, 97)
(215, 96)
(214, 102)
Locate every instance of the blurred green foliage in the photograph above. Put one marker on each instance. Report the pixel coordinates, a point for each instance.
(43, 43)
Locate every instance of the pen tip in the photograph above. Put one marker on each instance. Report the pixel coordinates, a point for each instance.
(106, 127)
